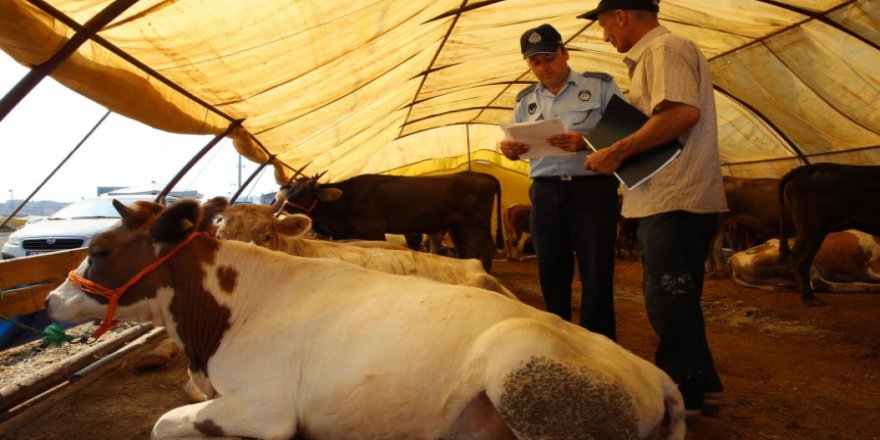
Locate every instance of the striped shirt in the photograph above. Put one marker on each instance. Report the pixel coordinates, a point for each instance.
(665, 67)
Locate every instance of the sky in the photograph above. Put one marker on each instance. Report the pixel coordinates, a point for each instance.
(49, 122)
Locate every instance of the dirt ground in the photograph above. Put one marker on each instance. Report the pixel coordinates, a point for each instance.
(790, 372)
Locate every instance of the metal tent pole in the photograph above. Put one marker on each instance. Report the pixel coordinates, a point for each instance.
(196, 158)
(467, 131)
(248, 181)
(36, 74)
(40, 186)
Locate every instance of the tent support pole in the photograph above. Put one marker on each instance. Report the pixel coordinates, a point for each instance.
(248, 181)
(196, 158)
(467, 133)
(794, 148)
(37, 73)
(40, 186)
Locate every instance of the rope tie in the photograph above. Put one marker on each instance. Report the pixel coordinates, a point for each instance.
(53, 334)
(308, 210)
(113, 295)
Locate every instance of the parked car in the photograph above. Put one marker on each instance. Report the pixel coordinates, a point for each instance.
(70, 227)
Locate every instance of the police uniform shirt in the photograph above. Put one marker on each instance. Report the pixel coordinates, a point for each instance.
(579, 105)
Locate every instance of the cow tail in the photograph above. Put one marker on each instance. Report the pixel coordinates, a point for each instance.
(783, 233)
(499, 233)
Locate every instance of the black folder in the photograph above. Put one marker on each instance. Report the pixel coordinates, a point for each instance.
(620, 120)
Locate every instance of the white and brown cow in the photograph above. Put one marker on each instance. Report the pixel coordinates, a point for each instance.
(848, 261)
(257, 224)
(329, 350)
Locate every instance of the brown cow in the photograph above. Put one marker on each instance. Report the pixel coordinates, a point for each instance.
(516, 222)
(848, 261)
(824, 198)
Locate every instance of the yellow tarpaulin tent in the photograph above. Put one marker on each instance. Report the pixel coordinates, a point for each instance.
(417, 87)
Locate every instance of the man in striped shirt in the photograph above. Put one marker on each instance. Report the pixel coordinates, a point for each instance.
(678, 207)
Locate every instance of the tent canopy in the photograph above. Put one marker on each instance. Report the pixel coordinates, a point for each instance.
(413, 86)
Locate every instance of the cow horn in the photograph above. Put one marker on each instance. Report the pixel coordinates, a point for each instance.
(299, 172)
(319, 175)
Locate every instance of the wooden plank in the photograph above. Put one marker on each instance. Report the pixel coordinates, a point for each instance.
(29, 410)
(39, 268)
(26, 300)
(22, 390)
(39, 274)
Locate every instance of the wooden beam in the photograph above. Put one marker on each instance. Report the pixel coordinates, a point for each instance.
(39, 268)
(25, 282)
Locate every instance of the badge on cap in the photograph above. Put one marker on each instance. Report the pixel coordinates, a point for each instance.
(585, 95)
(532, 107)
(535, 38)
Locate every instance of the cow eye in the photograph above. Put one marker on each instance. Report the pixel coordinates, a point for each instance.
(267, 238)
(99, 253)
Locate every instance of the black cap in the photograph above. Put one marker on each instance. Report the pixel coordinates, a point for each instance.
(542, 39)
(607, 5)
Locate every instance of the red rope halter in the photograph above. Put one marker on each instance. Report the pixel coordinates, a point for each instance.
(308, 210)
(113, 295)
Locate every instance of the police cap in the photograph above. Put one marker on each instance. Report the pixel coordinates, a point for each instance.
(542, 39)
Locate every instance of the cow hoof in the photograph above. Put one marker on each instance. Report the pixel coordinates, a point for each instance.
(813, 302)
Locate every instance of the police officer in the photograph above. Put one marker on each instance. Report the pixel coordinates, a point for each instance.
(574, 212)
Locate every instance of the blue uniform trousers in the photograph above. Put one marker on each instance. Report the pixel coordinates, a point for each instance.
(576, 219)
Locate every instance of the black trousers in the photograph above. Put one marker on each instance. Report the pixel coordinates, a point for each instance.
(674, 248)
(570, 220)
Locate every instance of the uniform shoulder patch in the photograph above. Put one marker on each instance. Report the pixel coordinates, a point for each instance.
(525, 91)
(601, 75)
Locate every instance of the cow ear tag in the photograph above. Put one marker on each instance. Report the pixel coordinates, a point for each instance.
(185, 225)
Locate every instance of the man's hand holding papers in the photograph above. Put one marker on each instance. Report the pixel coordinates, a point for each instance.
(526, 140)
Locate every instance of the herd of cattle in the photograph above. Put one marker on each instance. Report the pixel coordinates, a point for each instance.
(288, 335)
(282, 345)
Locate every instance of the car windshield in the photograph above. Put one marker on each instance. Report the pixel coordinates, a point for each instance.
(98, 208)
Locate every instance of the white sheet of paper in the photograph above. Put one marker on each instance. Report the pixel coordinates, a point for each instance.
(535, 134)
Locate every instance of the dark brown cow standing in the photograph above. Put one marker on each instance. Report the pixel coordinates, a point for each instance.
(824, 198)
(371, 205)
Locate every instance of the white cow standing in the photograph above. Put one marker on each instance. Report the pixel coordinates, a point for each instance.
(257, 224)
(330, 350)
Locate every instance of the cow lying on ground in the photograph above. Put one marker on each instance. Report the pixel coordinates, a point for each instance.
(515, 219)
(751, 219)
(848, 261)
(327, 349)
(824, 198)
(257, 224)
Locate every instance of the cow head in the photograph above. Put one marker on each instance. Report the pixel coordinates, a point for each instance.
(303, 195)
(258, 225)
(146, 232)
